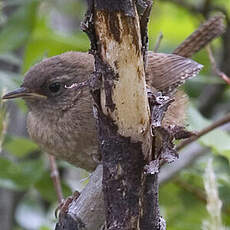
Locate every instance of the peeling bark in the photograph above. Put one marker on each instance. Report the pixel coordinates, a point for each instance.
(123, 96)
(122, 109)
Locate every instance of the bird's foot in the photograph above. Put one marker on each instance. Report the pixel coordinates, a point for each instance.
(64, 205)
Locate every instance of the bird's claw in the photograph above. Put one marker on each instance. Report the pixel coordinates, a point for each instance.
(64, 205)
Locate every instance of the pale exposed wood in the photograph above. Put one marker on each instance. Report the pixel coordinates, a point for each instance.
(123, 53)
(89, 206)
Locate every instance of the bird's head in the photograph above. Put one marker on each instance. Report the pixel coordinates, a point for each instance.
(55, 82)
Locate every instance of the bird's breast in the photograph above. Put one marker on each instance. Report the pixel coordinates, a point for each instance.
(70, 139)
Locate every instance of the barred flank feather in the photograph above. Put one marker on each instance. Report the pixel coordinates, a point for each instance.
(168, 71)
(201, 37)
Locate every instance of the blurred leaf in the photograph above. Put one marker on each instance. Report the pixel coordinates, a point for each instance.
(185, 194)
(174, 22)
(15, 2)
(194, 87)
(204, 79)
(30, 214)
(21, 104)
(70, 9)
(20, 146)
(20, 176)
(8, 80)
(217, 140)
(46, 42)
(19, 26)
(180, 208)
(10, 58)
(44, 228)
(224, 4)
(46, 188)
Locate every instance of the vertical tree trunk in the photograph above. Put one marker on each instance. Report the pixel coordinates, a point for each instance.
(118, 44)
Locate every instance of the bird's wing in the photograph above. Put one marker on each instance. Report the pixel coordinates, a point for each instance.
(165, 72)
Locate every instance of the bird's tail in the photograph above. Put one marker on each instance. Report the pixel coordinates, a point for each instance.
(211, 29)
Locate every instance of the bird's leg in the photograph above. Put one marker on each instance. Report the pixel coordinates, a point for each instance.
(64, 205)
(56, 178)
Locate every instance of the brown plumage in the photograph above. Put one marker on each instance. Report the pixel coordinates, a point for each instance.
(202, 36)
(61, 120)
(60, 116)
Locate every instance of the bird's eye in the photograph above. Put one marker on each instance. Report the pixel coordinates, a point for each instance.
(55, 87)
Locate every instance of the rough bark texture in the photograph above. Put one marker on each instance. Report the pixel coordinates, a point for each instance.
(67, 222)
(122, 167)
(120, 49)
(87, 211)
(150, 203)
(123, 111)
(126, 7)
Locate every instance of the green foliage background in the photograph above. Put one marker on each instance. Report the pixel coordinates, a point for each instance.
(24, 169)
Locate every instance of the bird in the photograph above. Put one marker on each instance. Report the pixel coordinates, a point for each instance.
(60, 117)
(57, 92)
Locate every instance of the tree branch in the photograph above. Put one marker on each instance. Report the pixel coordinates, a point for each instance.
(215, 69)
(119, 45)
(204, 131)
(87, 211)
(158, 42)
(187, 157)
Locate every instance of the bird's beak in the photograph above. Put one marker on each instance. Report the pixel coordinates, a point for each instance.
(24, 93)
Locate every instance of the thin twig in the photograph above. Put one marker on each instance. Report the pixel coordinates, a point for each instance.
(158, 42)
(204, 131)
(214, 66)
(56, 178)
